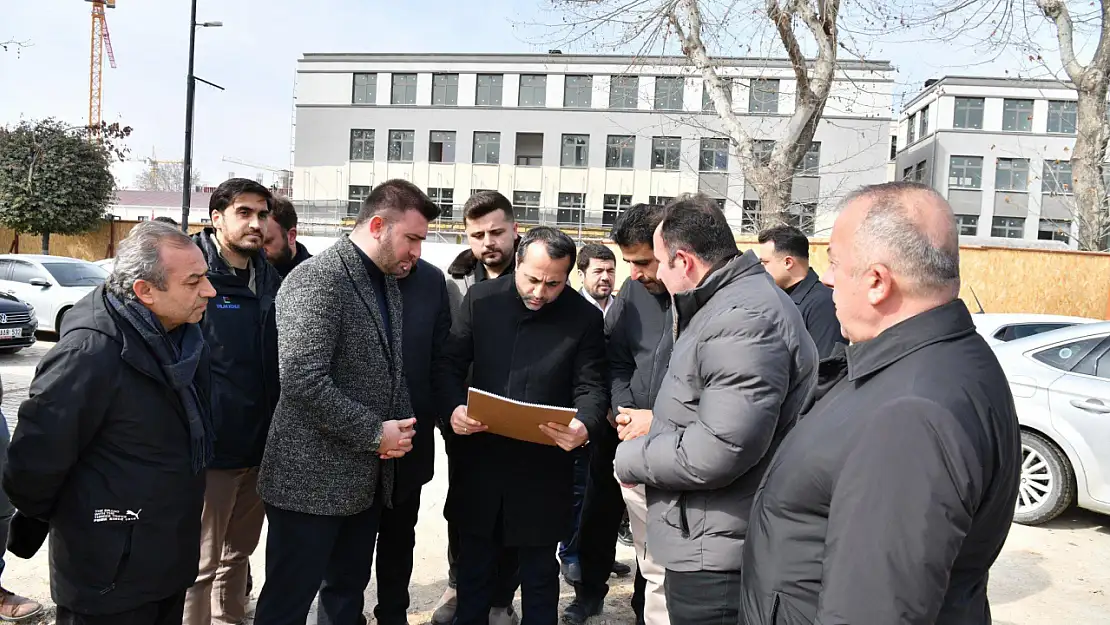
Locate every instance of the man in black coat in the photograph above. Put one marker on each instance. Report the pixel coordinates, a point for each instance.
(784, 252)
(282, 248)
(530, 339)
(426, 315)
(892, 497)
(112, 443)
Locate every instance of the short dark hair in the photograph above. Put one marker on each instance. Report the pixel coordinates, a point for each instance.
(591, 251)
(232, 188)
(788, 241)
(696, 224)
(166, 220)
(399, 196)
(483, 203)
(557, 243)
(283, 213)
(636, 225)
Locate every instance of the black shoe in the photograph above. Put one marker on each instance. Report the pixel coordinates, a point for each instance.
(572, 572)
(620, 569)
(578, 611)
(624, 535)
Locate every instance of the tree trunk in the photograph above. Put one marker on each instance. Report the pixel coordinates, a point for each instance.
(774, 190)
(45, 243)
(1091, 216)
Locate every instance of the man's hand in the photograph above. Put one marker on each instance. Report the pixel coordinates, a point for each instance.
(396, 438)
(633, 423)
(567, 436)
(464, 425)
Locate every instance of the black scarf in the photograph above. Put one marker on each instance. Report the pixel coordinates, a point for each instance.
(179, 364)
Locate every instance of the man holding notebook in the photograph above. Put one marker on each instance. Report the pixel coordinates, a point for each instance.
(528, 339)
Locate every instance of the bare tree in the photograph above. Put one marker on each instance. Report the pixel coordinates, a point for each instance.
(695, 25)
(163, 176)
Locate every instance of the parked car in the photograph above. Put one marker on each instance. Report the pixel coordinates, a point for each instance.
(52, 284)
(1005, 327)
(17, 324)
(1061, 386)
(106, 264)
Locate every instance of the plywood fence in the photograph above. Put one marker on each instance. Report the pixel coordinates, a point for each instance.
(95, 245)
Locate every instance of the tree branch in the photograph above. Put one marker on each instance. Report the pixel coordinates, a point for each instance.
(1057, 11)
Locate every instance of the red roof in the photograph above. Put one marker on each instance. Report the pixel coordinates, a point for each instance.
(160, 199)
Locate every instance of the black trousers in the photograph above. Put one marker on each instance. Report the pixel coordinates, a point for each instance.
(306, 553)
(393, 565)
(478, 566)
(168, 611)
(602, 511)
(703, 597)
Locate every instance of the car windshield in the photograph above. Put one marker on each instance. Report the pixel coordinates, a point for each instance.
(77, 274)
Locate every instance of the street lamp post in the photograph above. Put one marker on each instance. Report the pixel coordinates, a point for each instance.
(190, 96)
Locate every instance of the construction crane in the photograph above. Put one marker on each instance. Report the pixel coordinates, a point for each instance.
(99, 43)
(284, 176)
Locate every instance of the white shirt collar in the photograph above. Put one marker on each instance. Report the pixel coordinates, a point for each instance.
(608, 302)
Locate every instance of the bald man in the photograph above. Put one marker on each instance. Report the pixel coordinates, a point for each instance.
(893, 495)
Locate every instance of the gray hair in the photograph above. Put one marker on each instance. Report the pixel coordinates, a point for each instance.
(920, 247)
(139, 257)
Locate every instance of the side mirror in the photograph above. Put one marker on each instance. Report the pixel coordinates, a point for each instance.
(43, 282)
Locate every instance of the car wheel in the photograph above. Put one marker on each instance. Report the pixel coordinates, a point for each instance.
(1047, 485)
(58, 321)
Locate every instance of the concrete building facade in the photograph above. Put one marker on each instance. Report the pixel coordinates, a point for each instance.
(571, 139)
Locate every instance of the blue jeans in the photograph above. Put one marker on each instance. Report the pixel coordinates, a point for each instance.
(6, 509)
(568, 550)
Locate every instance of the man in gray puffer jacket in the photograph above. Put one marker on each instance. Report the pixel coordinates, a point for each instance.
(742, 369)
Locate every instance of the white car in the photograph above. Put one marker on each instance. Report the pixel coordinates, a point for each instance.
(1061, 386)
(52, 284)
(999, 328)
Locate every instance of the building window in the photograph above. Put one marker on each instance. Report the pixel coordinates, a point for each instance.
(660, 200)
(907, 173)
(355, 195)
(923, 117)
(1054, 230)
(764, 96)
(707, 105)
(578, 92)
(1056, 178)
(614, 205)
(526, 206)
(968, 225)
(529, 149)
(1008, 228)
(533, 90)
(445, 89)
(365, 89)
(624, 92)
(441, 147)
(572, 209)
(490, 87)
(400, 145)
(801, 216)
(487, 148)
(911, 130)
(761, 149)
(750, 216)
(1011, 174)
(668, 93)
(576, 151)
(404, 89)
(445, 200)
(965, 172)
(362, 145)
(1063, 117)
(969, 113)
(811, 161)
(666, 152)
(620, 151)
(1017, 115)
(919, 173)
(893, 147)
(714, 155)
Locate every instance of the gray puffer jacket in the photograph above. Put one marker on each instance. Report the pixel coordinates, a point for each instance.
(742, 369)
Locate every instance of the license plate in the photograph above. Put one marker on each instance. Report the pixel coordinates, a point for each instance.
(11, 333)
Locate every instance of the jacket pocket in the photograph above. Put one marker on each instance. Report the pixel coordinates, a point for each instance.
(121, 563)
(683, 516)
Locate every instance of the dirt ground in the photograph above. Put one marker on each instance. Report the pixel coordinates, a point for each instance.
(1046, 575)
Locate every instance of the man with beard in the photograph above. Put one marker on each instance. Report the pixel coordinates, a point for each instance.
(640, 342)
(492, 234)
(240, 325)
(282, 248)
(344, 413)
(529, 338)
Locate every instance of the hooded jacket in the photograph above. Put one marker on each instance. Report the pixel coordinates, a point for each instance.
(299, 257)
(466, 271)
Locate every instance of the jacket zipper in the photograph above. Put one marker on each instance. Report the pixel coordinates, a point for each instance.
(123, 560)
(683, 522)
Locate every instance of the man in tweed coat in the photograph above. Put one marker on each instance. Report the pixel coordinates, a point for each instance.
(344, 412)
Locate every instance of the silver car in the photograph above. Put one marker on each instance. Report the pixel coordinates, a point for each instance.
(1061, 386)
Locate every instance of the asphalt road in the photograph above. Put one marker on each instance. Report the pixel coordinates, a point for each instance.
(1047, 575)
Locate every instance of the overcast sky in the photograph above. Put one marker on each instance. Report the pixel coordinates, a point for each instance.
(254, 57)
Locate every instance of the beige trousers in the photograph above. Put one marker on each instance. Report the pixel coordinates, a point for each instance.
(655, 601)
(229, 530)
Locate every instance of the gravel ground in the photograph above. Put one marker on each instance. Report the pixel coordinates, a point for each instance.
(1050, 574)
